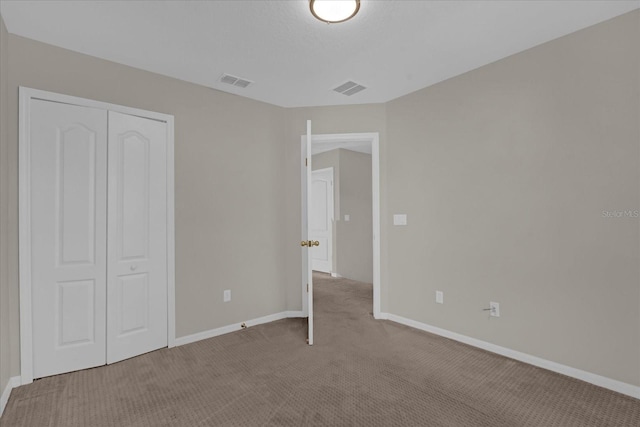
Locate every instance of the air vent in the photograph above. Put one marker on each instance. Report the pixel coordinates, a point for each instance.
(349, 88)
(235, 81)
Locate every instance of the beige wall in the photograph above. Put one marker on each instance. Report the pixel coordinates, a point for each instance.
(229, 157)
(504, 173)
(5, 332)
(325, 120)
(353, 239)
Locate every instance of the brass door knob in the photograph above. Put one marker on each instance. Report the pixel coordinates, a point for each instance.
(314, 243)
(304, 243)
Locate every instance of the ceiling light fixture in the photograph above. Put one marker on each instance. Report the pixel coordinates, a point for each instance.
(334, 11)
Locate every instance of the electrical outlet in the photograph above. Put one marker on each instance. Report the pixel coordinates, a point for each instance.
(494, 309)
(440, 297)
(227, 295)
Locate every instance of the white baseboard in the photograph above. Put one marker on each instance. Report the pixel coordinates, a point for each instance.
(11, 384)
(609, 383)
(336, 275)
(188, 339)
(5, 396)
(291, 314)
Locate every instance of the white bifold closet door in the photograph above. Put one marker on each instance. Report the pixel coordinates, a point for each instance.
(68, 236)
(137, 236)
(98, 195)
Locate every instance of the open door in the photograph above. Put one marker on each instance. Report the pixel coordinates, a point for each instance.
(307, 242)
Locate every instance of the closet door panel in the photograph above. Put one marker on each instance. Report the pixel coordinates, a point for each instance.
(137, 236)
(68, 194)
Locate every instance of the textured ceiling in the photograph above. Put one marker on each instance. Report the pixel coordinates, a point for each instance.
(392, 47)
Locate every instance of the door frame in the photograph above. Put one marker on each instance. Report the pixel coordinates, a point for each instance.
(374, 139)
(333, 213)
(26, 95)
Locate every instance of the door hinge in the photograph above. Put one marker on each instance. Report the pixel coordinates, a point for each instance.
(307, 287)
(306, 162)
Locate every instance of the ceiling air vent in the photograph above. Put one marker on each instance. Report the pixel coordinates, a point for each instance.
(349, 88)
(235, 81)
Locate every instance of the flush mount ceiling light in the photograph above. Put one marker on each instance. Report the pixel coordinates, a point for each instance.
(334, 11)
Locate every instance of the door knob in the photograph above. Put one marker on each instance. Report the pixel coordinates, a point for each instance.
(304, 243)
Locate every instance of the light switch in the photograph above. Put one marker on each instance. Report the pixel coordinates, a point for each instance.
(226, 295)
(347, 217)
(399, 219)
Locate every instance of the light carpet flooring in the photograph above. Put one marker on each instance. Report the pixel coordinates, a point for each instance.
(359, 372)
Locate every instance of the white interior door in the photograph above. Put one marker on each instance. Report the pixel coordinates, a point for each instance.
(309, 251)
(137, 236)
(68, 188)
(321, 219)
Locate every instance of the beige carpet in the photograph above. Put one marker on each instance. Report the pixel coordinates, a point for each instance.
(360, 372)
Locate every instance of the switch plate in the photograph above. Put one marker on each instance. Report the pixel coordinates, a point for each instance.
(399, 219)
(494, 309)
(440, 297)
(227, 295)
(347, 217)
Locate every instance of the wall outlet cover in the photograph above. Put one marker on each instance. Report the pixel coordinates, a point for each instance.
(494, 309)
(440, 297)
(227, 295)
(399, 219)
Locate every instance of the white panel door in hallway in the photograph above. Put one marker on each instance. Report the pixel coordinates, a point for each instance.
(137, 254)
(68, 161)
(321, 219)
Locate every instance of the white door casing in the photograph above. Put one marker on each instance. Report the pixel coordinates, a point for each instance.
(68, 248)
(137, 232)
(346, 139)
(66, 228)
(321, 219)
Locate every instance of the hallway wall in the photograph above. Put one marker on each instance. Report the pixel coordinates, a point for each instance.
(353, 239)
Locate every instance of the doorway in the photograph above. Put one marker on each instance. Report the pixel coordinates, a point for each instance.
(327, 142)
